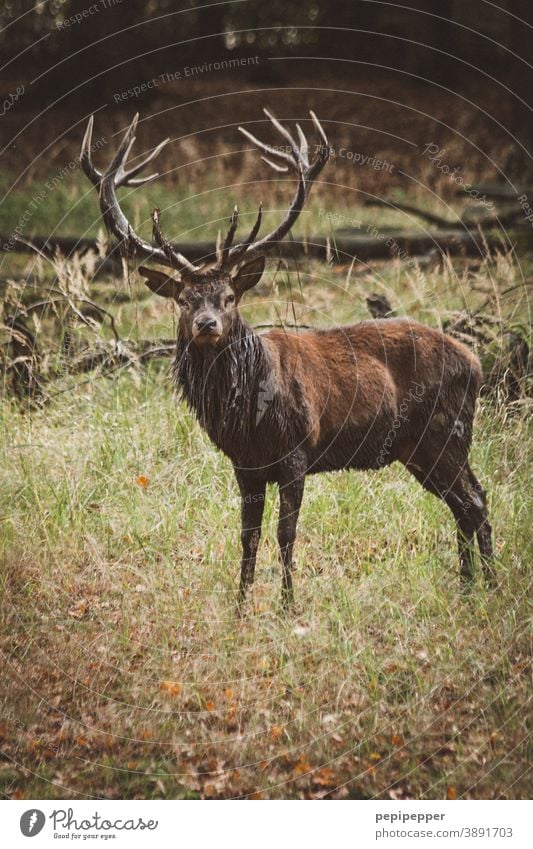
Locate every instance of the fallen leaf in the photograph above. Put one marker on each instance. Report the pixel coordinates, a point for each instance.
(451, 792)
(325, 777)
(143, 481)
(171, 687)
(302, 766)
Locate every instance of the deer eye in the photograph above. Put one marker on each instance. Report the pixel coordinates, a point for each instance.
(182, 303)
(230, 299)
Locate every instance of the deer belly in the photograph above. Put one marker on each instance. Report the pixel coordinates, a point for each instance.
(370, 445)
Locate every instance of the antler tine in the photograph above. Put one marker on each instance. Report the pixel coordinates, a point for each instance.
(120, 157)
(320, 128)
(113, 178)
(284, 132)
(306, 172)
(86, 161)
(281, 168)
(174, 257)
(228, 241)
(223, 252)
(304, 146)
(127, 176)
(239, 250)
(255, 229)
(281, 154)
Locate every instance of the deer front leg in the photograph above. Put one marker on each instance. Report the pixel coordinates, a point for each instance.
(252, 504)
(290, 499)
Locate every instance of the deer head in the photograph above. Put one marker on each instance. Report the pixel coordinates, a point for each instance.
(208, 296)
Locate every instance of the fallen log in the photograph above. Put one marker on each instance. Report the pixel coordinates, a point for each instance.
(409, 246)
(342, 246)
(503, 219)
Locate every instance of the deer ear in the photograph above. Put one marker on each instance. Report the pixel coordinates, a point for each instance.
(160, 283)
(248, 275)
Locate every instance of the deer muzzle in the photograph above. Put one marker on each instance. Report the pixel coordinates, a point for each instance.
(206, 330)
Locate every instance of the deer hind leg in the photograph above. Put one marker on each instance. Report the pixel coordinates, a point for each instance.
(252, 505)
(290, 499)
(449, 479)
(484, 529)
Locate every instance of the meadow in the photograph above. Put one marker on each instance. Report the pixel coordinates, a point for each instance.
(126, 672)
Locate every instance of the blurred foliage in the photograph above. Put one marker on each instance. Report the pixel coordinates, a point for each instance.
(269, 27)
(100, 47)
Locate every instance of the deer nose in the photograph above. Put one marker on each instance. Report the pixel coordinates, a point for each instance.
(205, 324)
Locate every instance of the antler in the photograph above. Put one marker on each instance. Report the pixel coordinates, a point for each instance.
(116, 176)
(296, 157)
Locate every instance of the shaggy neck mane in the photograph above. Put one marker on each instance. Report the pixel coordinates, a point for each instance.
(222, 384)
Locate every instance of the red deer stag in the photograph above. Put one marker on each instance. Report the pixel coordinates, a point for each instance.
(282, 405)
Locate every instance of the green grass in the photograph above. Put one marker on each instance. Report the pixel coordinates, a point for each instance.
(197, 199)
(126, 671)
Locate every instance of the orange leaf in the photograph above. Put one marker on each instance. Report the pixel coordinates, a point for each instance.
(229, 694)
(397, 740)
(210, 705)
(276, 731)
(143, 481)
(256, 795)
(302, 766)
(325, 777)
(171, 687)
(451, 792)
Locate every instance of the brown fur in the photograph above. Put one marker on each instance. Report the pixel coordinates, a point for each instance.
(286, 404)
